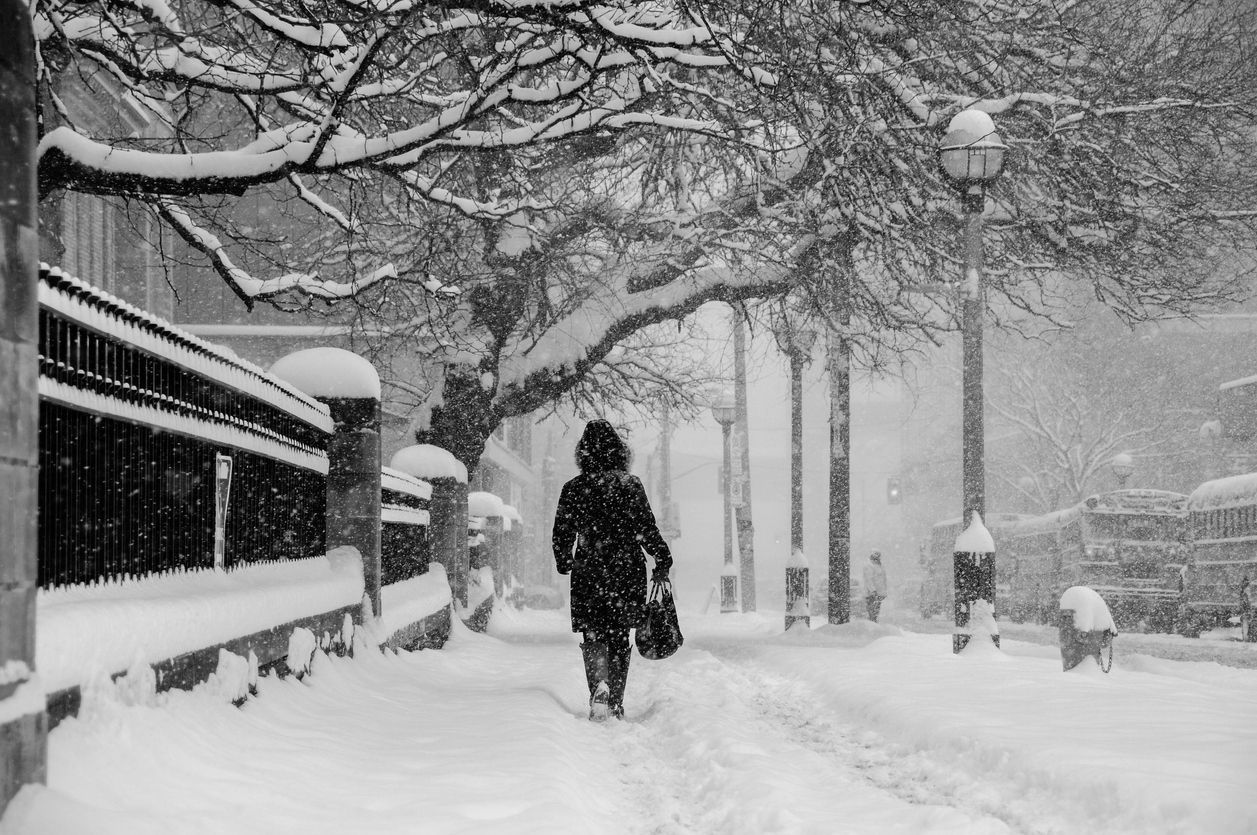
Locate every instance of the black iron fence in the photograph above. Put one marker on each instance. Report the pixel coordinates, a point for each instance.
(160, 451)
(405, 515)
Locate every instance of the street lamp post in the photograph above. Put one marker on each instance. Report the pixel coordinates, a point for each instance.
(802, 341)
(972, 156)
(1123, 466)
(797, 342)
(724, 411)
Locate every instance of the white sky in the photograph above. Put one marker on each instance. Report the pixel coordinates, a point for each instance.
(862, 728)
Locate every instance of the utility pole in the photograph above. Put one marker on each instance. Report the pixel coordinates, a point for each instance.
(742, 466)
(723, 413)
(797, 340)
(23, 722)
(839, 359)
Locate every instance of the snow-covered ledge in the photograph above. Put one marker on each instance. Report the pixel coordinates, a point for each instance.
(416, 611)
(107, 628)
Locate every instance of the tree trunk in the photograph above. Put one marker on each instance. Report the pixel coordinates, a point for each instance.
(840, 441)
(464, 421)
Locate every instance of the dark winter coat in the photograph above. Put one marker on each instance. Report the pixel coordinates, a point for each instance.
(602, 526)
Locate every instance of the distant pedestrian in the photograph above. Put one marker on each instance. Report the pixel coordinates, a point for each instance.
(602, 526)
(874, 585)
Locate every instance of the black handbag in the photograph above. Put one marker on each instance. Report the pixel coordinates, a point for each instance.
(659, 635)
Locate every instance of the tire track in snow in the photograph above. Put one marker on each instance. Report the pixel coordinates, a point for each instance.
(729, 747)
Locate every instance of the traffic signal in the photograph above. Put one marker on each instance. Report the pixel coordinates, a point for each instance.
(894, 492)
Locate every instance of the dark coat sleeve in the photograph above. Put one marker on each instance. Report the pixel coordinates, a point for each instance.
(648, 534)
(565, 530)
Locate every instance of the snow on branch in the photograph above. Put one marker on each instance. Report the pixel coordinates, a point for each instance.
(245, 285)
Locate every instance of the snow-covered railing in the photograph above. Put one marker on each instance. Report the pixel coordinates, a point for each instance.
(405, 547)
(93, 343)
(155, 444)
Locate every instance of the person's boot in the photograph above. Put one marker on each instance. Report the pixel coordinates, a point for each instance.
(597, 676)
(617, 666)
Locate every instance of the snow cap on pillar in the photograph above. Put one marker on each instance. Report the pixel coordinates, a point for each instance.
(975, 539)
(797, 559)
(427, 461)
(480, 503)
(329, 373)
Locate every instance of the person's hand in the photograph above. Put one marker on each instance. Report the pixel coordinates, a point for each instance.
(660, 575)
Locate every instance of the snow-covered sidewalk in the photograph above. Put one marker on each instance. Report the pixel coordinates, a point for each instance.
(860, 728)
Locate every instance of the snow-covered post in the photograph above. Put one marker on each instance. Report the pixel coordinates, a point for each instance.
(22, 719)
(350, 387)
(798, 602)
(974, 570)
(447, 525)
(1086, 628)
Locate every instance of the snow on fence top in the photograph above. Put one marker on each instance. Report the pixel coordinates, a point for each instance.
(1137, 500)
(96, 310)
(994, 520)
(1055, 520)
(400, 482)
(427, 462)
(480, 503)
(1243, 381)
(330, 373)
(510, 512)
(253, 438)
(1233, 491)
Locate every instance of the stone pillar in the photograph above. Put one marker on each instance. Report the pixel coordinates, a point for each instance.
(447, 531)
(495, 552)
(353, 485)
(513, 554)
(23, 732)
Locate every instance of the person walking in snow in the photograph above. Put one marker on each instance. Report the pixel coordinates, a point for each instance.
(874, 585)
(602, 526)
